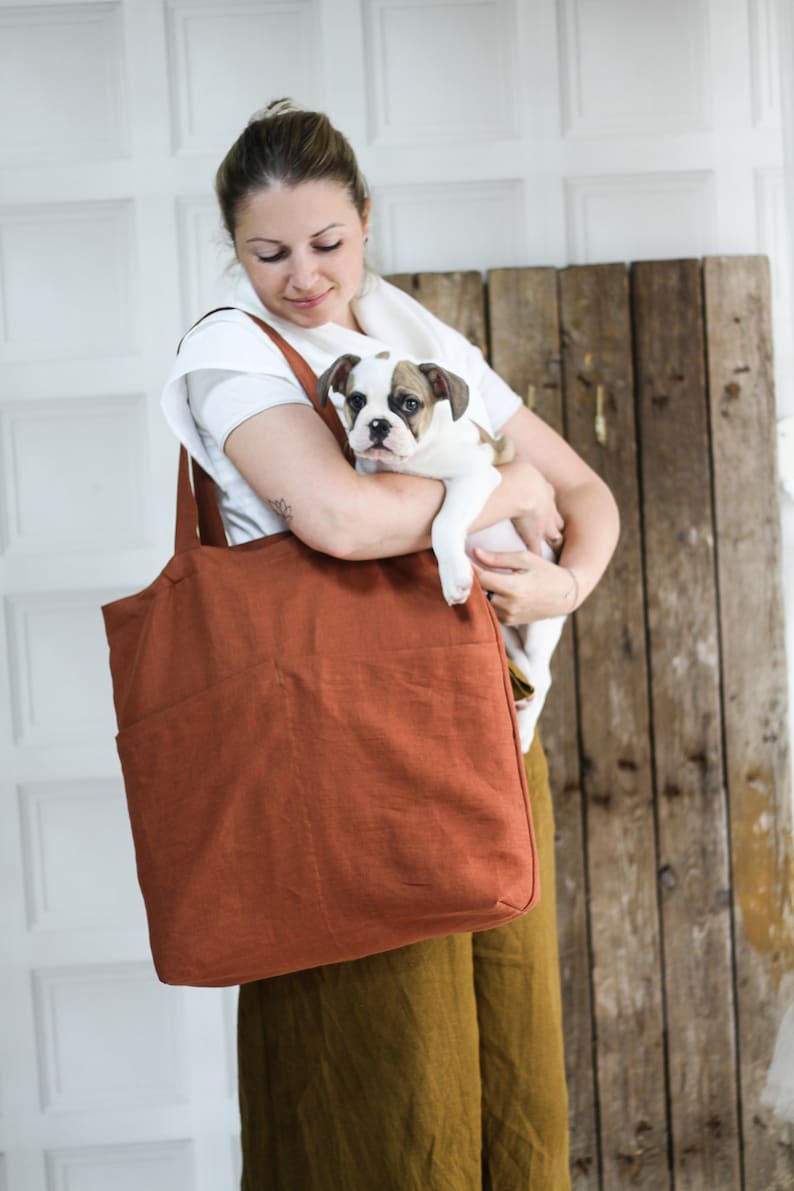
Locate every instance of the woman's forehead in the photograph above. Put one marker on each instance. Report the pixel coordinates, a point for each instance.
(305, 209)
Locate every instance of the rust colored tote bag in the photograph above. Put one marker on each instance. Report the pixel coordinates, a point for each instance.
(321, 758)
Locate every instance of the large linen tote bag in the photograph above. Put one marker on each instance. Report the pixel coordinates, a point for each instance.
(321, 758)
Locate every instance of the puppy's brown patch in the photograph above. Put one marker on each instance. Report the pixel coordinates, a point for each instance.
(504, 449)
(409, 382)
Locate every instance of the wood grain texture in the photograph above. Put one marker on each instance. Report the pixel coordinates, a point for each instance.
(683, 653)
(737, 304)
(613, 710)
(524, 334)
(455, 298)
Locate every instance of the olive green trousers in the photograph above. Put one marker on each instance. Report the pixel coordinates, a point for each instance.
(435, 1067)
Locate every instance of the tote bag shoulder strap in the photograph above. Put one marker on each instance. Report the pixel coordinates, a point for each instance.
(304, 374)
(203, 505)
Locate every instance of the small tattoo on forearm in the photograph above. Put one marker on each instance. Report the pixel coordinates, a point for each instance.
(283, 510)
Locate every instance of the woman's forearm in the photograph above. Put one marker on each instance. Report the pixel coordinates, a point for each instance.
(290, 459)
(592, 526)
(395, 512)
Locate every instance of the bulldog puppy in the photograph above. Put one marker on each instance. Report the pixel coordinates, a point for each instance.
(408, 417)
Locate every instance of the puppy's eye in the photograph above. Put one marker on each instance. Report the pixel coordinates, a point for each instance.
(410, 405)
(356, 401)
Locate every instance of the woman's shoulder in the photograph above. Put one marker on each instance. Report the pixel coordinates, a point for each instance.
(229, 339)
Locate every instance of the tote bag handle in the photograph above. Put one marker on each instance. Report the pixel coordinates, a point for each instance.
(200, 507)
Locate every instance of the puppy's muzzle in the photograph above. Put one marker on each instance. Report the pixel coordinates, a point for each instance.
(378, 431)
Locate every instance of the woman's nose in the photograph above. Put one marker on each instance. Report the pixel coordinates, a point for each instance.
(304, 272)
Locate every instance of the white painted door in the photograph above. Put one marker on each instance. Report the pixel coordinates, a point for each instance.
(494, 132)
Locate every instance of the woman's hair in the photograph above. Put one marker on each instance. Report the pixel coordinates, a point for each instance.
(285, 144)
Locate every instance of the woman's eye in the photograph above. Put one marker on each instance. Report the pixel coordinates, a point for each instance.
(356, 401)
(328, 247)
(269, 259)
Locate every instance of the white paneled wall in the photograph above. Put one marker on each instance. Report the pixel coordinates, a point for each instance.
(87, 453)
(218, 57)
(61, 821)
(83, 250)
(108, 1036)
(440, 72)
(158, 1166)
(493, 132)
(72, 105)
(483, 220)
(635, 69)
(667, 214)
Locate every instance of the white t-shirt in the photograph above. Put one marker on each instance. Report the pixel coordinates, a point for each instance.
(227, 370)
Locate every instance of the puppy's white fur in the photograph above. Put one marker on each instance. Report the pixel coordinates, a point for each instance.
(410, 417)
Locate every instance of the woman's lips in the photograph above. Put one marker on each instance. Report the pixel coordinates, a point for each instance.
(308, 303)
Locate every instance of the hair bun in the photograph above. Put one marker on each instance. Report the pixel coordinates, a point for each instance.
(276, 107)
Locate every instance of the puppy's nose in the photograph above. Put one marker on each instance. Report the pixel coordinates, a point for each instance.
(378, 429)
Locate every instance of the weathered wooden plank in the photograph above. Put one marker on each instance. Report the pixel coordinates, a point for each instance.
(737, 304)
(685, 684)
(613, 711)
(524, 333)
(456, 298)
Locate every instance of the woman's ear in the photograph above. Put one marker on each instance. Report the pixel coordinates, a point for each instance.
(365, 214)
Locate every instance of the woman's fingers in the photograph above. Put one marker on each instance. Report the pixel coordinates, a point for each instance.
(503, 560)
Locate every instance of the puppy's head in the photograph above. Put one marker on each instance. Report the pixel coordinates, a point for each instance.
(390, 407)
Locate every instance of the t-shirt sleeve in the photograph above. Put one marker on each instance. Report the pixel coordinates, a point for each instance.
(222, 400)
(500, 400)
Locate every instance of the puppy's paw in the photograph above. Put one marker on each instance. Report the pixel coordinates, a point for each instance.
(456, 580)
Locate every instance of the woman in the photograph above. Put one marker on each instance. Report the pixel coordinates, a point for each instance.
(439, 1066)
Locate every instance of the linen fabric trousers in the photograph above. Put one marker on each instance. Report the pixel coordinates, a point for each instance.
(435, 1067)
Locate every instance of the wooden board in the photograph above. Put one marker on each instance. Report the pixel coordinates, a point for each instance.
(614, 725)
(683, 650)
(524, 335)
(737, 307)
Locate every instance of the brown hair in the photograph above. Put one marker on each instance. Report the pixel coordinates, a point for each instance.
(284, 144)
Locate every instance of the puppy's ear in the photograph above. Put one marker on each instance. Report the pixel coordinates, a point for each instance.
(447, 385)
(335, 377)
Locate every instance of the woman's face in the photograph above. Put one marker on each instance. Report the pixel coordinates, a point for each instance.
(303, 250)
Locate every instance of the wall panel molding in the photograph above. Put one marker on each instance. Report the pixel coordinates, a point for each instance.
(639, 216)
(74, 474)
(67, 280)
(449, 225)
(204, 255)
(765, 63)
(262, 49)
(774, 240)
(61, 821)
(108, 1035)
(155, 1166)
(634, 69)
(441, 70)
(62, 74)
(59, 676)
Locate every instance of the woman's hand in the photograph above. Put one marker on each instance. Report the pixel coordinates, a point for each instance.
(539, 520)
(532, 588)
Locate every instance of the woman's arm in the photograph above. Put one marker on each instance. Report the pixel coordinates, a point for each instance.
(536, 588)
(292, 461)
